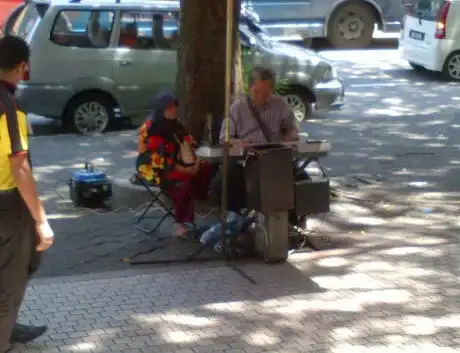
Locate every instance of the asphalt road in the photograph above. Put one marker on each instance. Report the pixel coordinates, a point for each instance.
(394, 150)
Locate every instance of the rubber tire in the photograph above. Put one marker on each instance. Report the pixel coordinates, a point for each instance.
(334, 36)
(304, 96)
(416, 67)
(445, 72)
(107, 102)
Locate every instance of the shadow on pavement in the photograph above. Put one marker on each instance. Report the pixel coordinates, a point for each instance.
(400, 297)
(377, 43)
(394, 165)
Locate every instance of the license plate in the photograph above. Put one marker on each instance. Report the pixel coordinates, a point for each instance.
(417, 35)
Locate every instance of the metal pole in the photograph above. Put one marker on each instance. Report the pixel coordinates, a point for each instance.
(228, 84)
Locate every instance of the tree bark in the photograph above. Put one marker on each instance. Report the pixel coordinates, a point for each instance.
(202, 58)
(237, 63)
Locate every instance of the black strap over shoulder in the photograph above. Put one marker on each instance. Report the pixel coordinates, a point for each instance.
(257, 117)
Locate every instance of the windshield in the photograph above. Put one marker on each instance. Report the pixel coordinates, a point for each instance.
(257, 33)
(426, 9)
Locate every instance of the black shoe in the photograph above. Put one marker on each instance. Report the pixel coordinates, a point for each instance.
(24, 334)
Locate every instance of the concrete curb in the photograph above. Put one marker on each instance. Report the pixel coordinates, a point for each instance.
(130, 272)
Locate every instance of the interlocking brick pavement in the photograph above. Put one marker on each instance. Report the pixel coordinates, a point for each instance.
(396, 299)
(86, 242)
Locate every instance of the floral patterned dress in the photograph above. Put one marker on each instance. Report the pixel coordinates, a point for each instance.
(156, 165)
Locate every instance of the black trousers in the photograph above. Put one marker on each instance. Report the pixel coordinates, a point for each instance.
(17, 243)
(236, 187)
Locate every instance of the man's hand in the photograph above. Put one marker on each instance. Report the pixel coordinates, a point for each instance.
(45, 235)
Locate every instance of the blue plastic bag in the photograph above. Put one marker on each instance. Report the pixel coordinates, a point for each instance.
(213, 235)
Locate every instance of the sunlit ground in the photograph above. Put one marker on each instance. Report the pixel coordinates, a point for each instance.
(397, 299)
(389, 284)
(394, 160)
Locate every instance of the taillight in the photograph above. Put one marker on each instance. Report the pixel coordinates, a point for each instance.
(26, 76)
(441, 21)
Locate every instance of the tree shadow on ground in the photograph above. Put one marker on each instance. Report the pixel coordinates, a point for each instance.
(394, 157)
(396, 288)
(393, 161)
(397, 297)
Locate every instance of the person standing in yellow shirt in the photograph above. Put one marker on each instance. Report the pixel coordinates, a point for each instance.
(23, 223)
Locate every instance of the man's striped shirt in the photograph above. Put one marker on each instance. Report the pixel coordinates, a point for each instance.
(276, 114)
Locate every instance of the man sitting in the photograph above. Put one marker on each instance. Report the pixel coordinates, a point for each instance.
(259, 118)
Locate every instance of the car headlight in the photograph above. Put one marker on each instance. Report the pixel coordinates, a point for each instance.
(329, 74)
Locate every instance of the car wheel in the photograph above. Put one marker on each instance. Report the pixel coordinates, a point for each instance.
(300, 104)
(451, 69)
(90, 113)
(351, 26)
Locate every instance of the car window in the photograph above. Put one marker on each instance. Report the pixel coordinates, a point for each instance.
(257, 33)
(25, 21)
(83, 28)
(148, 30)
(245, 40)
(427, 9)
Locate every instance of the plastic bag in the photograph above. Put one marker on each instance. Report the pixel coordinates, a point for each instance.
(212, 236)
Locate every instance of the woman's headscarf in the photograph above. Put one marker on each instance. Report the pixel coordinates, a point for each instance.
(161, 126)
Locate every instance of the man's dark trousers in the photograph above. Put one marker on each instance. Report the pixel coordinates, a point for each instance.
(236, 187)
(17, 239)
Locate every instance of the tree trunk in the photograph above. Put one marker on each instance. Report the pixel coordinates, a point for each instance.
(237, 77)
(202, 58)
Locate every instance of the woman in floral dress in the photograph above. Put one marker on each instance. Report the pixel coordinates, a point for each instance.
(167, 160)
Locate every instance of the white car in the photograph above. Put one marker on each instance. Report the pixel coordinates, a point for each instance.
(430, 37)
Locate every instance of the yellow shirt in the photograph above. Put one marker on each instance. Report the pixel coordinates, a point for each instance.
(13, 134)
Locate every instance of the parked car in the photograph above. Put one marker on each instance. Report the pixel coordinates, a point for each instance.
(430, 38)
(345, 23)
(93, 63)
(6, 7)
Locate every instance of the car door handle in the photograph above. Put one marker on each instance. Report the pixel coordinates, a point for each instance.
(126, 62)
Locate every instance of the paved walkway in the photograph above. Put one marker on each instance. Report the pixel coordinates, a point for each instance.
(392, 299)
(394, 180)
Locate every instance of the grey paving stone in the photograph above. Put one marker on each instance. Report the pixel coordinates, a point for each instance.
(293, 308)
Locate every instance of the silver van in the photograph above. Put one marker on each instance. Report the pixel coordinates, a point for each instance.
(345, 23)
(95, 62)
